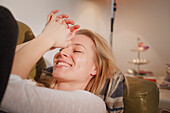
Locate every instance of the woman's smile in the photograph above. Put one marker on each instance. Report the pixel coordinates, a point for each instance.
(63, 64)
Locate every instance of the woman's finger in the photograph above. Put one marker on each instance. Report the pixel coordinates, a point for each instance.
(74, 28)
(69, 21)
(53, 17)
(60, 21)
(71, 35)
(50, 15)
(61, 16)
(67, 26)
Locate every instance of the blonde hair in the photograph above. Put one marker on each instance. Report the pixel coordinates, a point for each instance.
(106, 66)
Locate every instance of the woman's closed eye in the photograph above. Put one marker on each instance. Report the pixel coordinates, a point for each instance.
(77, 51)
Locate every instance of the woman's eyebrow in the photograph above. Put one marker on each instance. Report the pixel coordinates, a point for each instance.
(77, 44)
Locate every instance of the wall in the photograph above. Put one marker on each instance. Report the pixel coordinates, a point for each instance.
(90, 14)
(149, 20)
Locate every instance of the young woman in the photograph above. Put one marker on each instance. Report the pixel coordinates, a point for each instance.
(85, 61)
(23, 97)
(88, 64)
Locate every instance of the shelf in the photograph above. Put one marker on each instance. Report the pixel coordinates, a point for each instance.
(138, 49)
(139, 61)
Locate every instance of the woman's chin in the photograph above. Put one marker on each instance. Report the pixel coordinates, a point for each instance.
(59, 76)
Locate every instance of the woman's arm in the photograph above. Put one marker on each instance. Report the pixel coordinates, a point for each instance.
(21, 97)
(27, 56)
(18, 47)
(55, 34)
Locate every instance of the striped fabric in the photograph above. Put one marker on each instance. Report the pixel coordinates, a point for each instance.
(114, 103)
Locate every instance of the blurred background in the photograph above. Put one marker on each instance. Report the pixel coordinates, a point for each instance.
(147, 19)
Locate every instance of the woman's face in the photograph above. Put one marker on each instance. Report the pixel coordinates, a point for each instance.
(75, 62)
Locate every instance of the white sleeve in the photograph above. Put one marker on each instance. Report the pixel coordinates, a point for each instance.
(21, 97)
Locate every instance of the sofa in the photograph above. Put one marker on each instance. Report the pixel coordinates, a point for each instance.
(140, 96)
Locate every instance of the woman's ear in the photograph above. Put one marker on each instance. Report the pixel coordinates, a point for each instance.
(94, 71)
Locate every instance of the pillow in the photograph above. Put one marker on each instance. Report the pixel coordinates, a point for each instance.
(114, 103)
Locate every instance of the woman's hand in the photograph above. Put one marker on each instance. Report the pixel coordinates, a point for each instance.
(64, 21)
(57, 33)
(57, 30)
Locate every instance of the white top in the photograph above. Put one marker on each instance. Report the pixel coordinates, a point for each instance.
(23, 97)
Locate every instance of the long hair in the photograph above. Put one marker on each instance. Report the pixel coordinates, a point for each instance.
(104, 59)
(106, 67)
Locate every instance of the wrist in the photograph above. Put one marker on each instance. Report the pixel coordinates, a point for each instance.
(46, 41)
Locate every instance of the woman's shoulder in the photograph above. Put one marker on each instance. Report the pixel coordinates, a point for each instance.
(18, 79)
(117, 85)
(118, 75)
(114, 101)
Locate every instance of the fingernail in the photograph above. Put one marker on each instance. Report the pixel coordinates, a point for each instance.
(72, 22)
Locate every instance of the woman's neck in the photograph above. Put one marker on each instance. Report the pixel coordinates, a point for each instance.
(70, 86)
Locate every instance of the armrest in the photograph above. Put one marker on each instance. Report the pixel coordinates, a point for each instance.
(140, 96)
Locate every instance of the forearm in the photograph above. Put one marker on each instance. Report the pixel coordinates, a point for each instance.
(18, 47)
(26, 57)
(55, 34)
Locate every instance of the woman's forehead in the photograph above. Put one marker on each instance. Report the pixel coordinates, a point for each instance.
(82, 40)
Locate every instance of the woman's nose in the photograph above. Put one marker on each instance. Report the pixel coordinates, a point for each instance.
(64, 53)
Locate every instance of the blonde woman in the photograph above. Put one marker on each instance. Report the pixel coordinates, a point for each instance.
(88, 64)
(85, 62)
(23, 96)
